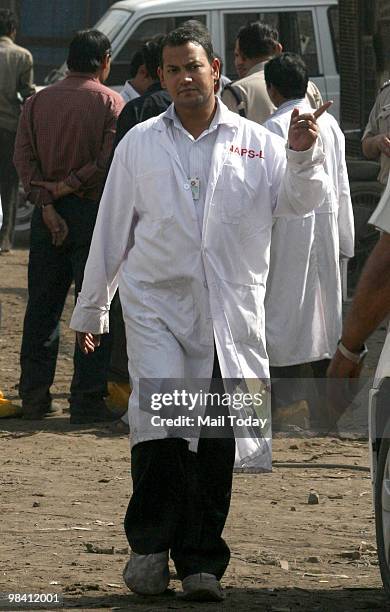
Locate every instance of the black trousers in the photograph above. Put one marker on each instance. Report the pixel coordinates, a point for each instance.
(181, 499)
(9, 184)
(305, 381)
(51, 271)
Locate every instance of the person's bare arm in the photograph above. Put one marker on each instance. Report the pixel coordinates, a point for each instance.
(370, 306)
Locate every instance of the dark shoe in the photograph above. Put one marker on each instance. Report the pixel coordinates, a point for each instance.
(201, 587)
(35, 412)
(87, 411)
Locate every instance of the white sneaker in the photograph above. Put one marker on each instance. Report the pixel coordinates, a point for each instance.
(147, 574)
(201, 587)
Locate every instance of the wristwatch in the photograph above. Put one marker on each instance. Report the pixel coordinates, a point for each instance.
(354, 357)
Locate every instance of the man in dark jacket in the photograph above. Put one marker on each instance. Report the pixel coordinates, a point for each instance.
(153, 102)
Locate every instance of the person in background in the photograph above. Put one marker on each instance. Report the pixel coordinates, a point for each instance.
(140, 79)
(16, 84)
(370, 307)
(153, 102)
(184, 226)
(255, 44)
(62, 148)
(303, 303)
(376, 137)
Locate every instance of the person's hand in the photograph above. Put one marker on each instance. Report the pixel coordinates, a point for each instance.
(58, 189)
(342, 387)
(55, 224)
(341, 367)
(303, 130)
(382, 141)
(87, 342)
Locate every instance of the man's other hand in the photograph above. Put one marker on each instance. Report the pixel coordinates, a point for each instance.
(87, 342)
(58, 189)
(303, 131)
(382, 141)
(55, 224)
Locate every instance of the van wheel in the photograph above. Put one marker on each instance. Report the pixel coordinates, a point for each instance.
(382, 507)
(365, 197)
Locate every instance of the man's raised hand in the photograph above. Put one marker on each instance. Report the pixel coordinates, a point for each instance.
(303, 131)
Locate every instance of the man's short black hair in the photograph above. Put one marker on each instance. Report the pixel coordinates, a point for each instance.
(183, 35)
(151, 53)
(288, 74)
(257, 39)
(136, 61)
(8, 22)
(87, 50)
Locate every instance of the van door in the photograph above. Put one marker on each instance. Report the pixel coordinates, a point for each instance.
(142, 30)
(298, 31)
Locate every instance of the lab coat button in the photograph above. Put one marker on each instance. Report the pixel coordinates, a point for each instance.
(186, 186)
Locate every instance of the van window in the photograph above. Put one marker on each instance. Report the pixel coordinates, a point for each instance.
(112, 23)
(144, 32)
(296, 32)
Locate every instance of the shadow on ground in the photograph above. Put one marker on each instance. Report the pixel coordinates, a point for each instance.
(239, 600)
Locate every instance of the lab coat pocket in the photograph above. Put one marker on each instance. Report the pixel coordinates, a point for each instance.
(155, 195)
(243, 305)
(232, 193)
(172, 303)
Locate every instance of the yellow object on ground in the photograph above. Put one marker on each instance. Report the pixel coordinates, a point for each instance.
(8, 409)
(297, 414)
(118, 397)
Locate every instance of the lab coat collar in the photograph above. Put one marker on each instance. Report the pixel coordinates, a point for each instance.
(289, 105)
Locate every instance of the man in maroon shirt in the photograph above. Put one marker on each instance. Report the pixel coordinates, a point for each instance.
(63, 145)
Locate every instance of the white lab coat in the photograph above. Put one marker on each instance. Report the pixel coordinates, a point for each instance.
(181, 288)
(303, 302)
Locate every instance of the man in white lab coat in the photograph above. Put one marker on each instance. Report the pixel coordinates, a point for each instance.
(303, 303)
(184, 228)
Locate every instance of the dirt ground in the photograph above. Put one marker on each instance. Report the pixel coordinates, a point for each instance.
(65, 490)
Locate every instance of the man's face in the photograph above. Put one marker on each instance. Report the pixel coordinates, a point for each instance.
(242, 63)
(188, 75)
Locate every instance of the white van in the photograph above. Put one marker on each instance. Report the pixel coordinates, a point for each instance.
(307, 27)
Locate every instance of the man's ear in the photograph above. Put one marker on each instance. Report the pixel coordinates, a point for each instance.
(216, 67)
(105, 60)
(278, 48)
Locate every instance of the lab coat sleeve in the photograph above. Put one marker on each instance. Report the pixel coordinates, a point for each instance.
(304, 185)
(345, 213)
(110, 243)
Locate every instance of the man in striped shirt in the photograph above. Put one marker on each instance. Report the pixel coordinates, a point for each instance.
(62, 148)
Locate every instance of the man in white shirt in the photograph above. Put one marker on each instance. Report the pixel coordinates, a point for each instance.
(184, 226)
(303, 302)
(256, 43)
